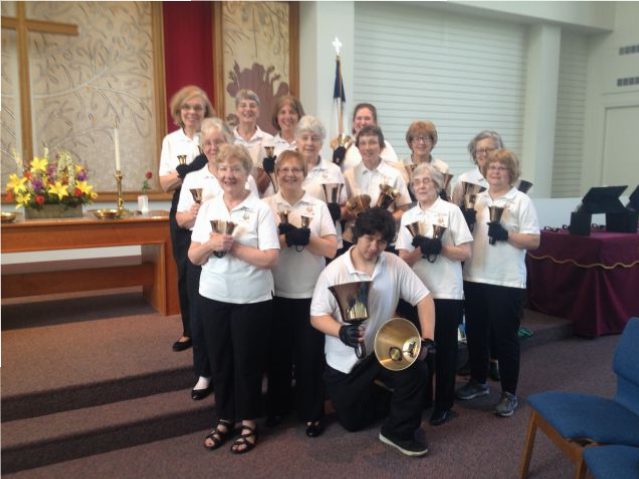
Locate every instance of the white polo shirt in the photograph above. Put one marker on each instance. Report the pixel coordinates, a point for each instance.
(282, 145)
(296, 272)
(501, 264)
(230, 279)
(175, 144)
(206, 180)
(392, 279)
(443, 277)
(360, 180)
(353, 157)
(472, 176)
(254, 145)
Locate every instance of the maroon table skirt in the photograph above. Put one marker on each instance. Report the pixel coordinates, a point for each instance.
(591, 280)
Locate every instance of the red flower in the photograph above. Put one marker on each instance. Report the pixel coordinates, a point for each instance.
(39, 199)
(28, 175)
(148, 175)
(77, 192)
(9, 196)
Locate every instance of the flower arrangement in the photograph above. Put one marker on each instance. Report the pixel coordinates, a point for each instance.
(145, 184)
(61, 181)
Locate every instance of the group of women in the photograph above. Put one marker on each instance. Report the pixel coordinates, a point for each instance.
(255, 218)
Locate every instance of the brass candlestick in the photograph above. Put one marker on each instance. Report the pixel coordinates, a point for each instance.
(118, 179)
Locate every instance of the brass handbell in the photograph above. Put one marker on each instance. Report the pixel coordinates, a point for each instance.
(341, 140)
(224, 228)
(283, 216)
(352, 299)
(438, 231)
(358, 203)
(397, 344)
(387, 196)
(270, 151)
(197, 195)
(181, 159)
(524, 186)
(447, 178)
(469, 193)
(332, 191)
(495, 213)
(306, 221)
(416, 228)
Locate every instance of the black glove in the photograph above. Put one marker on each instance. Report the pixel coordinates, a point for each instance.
(197, 164)
(338, 155)
(298, 236)
(497, 232)
(470, 216)
(349, 335)
(284, 228)
(268, 163)
(429, 246)
(428, 349)
(335, 210)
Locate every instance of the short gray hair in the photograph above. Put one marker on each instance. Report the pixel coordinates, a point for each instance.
(246, 94)
(312, 125)
(215, 125)
(435, 175)
(482, 135)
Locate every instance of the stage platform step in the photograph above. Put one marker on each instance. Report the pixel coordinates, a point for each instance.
(86, 375)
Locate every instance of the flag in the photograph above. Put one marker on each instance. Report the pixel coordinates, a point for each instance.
(338, 89)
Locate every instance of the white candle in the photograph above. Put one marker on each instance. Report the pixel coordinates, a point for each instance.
(116, 140)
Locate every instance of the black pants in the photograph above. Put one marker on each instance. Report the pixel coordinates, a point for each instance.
(237, 347)
(295, 342)
(493, 309)
(443, 365)
(181, 240)
(201, 366)
(359, 402)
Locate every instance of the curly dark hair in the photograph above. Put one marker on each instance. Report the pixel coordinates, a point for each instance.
(373, 221)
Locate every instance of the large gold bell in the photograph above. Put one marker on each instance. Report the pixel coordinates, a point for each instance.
(397, 344)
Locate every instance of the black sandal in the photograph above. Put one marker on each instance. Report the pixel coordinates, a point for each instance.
(242, 443)
(219, 436)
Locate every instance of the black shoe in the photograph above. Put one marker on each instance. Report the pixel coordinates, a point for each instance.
(198, 394)
(182, 345)
(440, 416)
(314, 429)
(272, 421)
(409, 447)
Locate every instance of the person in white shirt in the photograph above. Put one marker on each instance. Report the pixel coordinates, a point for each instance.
(350, 381)
(248, 134)
(310, 136)
(421, 138)
(295, 345)
(181, 155)
(495, 279)
(438, 263)
(287, 112)
(364, 114)
(369, 174)
(214, 133)
(236, 290)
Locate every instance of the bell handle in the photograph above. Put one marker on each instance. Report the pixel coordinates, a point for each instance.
(360, 350)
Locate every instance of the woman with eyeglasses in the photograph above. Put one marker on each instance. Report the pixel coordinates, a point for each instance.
(181, 155)
(421, 138)
(495, 278)
(307, 236)
(437, 260)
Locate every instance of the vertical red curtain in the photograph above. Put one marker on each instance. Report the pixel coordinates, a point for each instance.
(188, 48)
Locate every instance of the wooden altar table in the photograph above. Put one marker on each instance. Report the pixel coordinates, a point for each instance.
(157, 272)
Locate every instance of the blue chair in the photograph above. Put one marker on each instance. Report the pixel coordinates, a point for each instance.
(612, 462)
(573, 421)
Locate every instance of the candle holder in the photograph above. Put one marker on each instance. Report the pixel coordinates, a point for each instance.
(121, 211)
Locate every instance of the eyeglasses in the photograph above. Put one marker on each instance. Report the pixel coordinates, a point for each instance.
(422, 181)
(187, 107)
(484, 151)
(423, 139)
(497, 168)
(295, 171)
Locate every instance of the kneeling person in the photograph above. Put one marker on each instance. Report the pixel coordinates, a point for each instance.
(358, 401)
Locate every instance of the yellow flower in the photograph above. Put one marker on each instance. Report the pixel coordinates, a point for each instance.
(17, 184)
(39, 165)
(59, 190)
(23, 199)
(84, 187)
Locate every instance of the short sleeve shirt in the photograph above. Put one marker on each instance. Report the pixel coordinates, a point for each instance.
(174, 145)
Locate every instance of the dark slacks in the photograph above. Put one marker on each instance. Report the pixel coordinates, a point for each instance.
(180, 241)
(359, 402)
(237, 347)
(201, 365)
(443, 365)
(295, 342)
(493, 309)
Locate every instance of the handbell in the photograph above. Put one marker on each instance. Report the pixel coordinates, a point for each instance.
(283, 216)
(359, 203)
(397, 344)
(524, 186)
(438, 231)
(387, 196)
(469, 194)
(495, 213)
(270, 151)
(416, 228)
(197, 195)
(352, 299)
(447, 178)
(224, 228)
(332, 191)
(181, 159)
(341, 140)
(306, 221)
